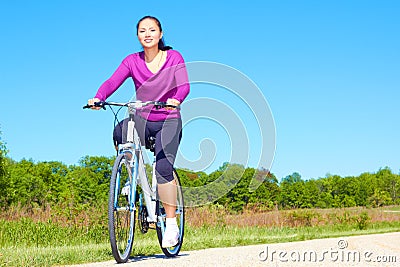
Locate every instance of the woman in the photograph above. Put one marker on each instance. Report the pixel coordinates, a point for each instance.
(159, 74)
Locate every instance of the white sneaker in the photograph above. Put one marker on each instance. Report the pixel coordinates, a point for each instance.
(125, 189)
(171, 236)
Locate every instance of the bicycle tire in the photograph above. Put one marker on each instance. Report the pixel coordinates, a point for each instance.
(121, 212)
(161, 216)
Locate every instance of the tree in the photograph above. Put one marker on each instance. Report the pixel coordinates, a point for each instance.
(267, 193)
(3, 155)
(311, 194)
(26, 185)
(379, 198)
(292, 189)
(388, 182)
(100, 165)
(90, 180)
(293, 178)
(365, 185)
(3, 172)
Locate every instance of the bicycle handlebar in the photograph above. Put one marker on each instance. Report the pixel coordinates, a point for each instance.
(134, 104)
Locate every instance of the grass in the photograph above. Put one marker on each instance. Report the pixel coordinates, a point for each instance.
(195, 238)
(26, 242)
(28, 233)
(50, 256)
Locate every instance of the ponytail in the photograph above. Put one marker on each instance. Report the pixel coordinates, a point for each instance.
(162, 46)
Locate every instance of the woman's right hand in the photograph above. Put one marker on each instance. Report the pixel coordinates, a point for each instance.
(92, 101)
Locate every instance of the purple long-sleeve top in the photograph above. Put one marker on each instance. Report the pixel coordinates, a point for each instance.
(171, 81)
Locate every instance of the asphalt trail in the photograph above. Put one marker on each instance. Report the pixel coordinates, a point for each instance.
(366, 250)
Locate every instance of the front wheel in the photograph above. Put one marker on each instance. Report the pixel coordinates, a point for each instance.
(121, 212)
(180, 217)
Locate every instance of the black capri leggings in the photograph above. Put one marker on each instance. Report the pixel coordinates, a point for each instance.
(167, 135)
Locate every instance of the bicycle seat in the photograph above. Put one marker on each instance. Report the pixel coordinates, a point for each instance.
(151, 143)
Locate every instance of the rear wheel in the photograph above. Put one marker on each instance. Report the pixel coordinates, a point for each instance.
(121, 213)
(180, 217)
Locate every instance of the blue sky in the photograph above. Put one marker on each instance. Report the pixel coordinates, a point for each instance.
(328, 69)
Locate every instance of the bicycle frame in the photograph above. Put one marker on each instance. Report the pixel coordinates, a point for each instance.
(133, 146)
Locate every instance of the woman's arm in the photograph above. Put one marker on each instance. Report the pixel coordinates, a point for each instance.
(182, 83)
(114, 82)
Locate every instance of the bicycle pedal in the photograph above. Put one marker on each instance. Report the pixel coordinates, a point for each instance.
(152, 225)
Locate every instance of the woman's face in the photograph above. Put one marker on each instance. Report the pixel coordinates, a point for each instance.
(149, 33)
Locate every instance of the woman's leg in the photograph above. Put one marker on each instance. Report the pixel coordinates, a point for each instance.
(117, 134)
(168, 195)
(166, 147)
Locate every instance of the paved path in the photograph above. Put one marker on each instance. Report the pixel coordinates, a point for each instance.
(367, 250)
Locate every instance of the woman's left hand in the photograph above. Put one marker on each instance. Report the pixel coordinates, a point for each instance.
(173, 102)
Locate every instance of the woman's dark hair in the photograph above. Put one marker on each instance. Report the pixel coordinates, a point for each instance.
(161, 43)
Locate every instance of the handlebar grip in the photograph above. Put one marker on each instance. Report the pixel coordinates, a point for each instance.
(159, 105)
(96, 104)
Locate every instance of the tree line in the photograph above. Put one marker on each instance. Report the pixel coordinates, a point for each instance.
(40, 184)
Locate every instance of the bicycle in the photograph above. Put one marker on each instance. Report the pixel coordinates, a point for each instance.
(125, 201)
